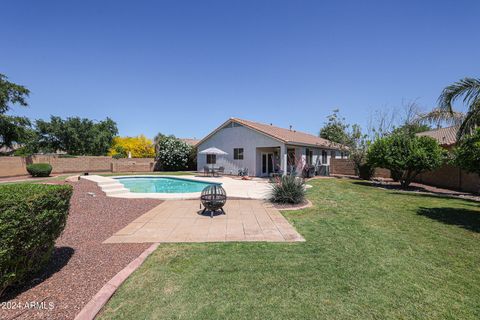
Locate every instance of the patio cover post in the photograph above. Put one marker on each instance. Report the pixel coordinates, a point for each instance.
(283, 159)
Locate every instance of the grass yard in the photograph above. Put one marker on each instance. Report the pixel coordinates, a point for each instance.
(37, 180)
(370, 254)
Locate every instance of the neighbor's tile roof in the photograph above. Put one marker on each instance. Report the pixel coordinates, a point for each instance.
(288, 136)
(190, 142)
(444, 136)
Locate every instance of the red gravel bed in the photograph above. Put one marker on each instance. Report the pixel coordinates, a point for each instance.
(81, 264)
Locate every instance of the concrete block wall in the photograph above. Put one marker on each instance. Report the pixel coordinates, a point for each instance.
(17, 166)
(342, 166)
(451, 177)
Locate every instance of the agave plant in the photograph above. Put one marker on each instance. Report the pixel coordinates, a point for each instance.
(288, 189)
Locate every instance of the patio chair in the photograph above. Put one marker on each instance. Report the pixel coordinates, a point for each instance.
(221, 170)
(206, 170)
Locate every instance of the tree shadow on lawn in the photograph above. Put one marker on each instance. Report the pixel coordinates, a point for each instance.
(59, 259)
(418, 191)
(464, 218)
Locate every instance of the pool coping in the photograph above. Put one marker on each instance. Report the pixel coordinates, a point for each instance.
(235, 188)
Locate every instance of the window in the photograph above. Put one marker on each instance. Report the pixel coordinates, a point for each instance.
(237, 153)
(324, 157)
(333, 154)
(211, 158)
(309, 154)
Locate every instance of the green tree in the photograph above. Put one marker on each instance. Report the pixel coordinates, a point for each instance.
(412, 128)
(75, 135)
(12, 129)
(335, 129)
(350, 138)
(407, 155)
(468, 90)
(172, 154)
(467, 153)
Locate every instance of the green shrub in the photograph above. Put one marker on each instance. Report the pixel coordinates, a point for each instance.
(467, 152)
(366, 171)
(396, 175)
(406, 155)
(288, 189)
(172, 154)
(32, 216)
(119, 156)
(39, 169)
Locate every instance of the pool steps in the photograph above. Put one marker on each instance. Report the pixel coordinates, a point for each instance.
(112, 187)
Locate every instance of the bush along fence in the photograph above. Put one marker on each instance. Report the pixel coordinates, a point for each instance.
(17, 166)
(32, 217)
(447, 176)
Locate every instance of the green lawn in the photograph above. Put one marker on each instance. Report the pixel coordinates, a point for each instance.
(370, 254)
(37, 180)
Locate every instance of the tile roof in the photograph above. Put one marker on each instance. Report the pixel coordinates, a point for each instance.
(190, 142)
(444, 136)
(285, 135)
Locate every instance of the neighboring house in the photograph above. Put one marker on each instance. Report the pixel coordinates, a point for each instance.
(446, 137)
(265, 149)
(8, 151)
(191, 142)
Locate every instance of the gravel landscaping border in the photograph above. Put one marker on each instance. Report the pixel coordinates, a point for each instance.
(81, 264)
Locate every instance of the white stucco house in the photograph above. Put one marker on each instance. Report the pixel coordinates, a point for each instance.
(264, 149)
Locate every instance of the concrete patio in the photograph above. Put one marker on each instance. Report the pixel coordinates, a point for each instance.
(182, 221)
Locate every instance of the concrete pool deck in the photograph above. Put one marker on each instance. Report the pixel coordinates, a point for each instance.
(182, 221)
(247, 189)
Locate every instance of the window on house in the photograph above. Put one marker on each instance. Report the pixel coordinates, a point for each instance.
(237, 153)
(211, 158)
(333, 154)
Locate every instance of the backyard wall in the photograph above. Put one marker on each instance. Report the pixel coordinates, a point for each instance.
(451, 177)
(342, 167)
(447, 176)
(16, 166)
(347, 168)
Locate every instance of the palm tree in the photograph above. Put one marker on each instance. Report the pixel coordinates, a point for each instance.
(469, 90)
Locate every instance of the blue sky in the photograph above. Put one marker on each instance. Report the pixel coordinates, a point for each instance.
(184, 67)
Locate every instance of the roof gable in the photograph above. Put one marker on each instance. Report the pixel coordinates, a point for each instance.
(286, 136)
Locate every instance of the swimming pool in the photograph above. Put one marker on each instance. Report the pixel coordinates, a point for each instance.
(162, 184)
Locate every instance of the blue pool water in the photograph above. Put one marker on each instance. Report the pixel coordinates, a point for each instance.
(162, 184)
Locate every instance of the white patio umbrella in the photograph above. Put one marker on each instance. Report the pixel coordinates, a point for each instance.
(214, 151)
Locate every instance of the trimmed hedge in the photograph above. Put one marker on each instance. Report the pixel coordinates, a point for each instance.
(32, 217)
(39, 169)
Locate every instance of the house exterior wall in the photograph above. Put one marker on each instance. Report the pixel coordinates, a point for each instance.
(227, 139)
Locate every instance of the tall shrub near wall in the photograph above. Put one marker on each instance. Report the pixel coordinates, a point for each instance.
(172, 154)
(31, 219)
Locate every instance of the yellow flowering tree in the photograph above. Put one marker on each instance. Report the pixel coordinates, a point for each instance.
(139, 147)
